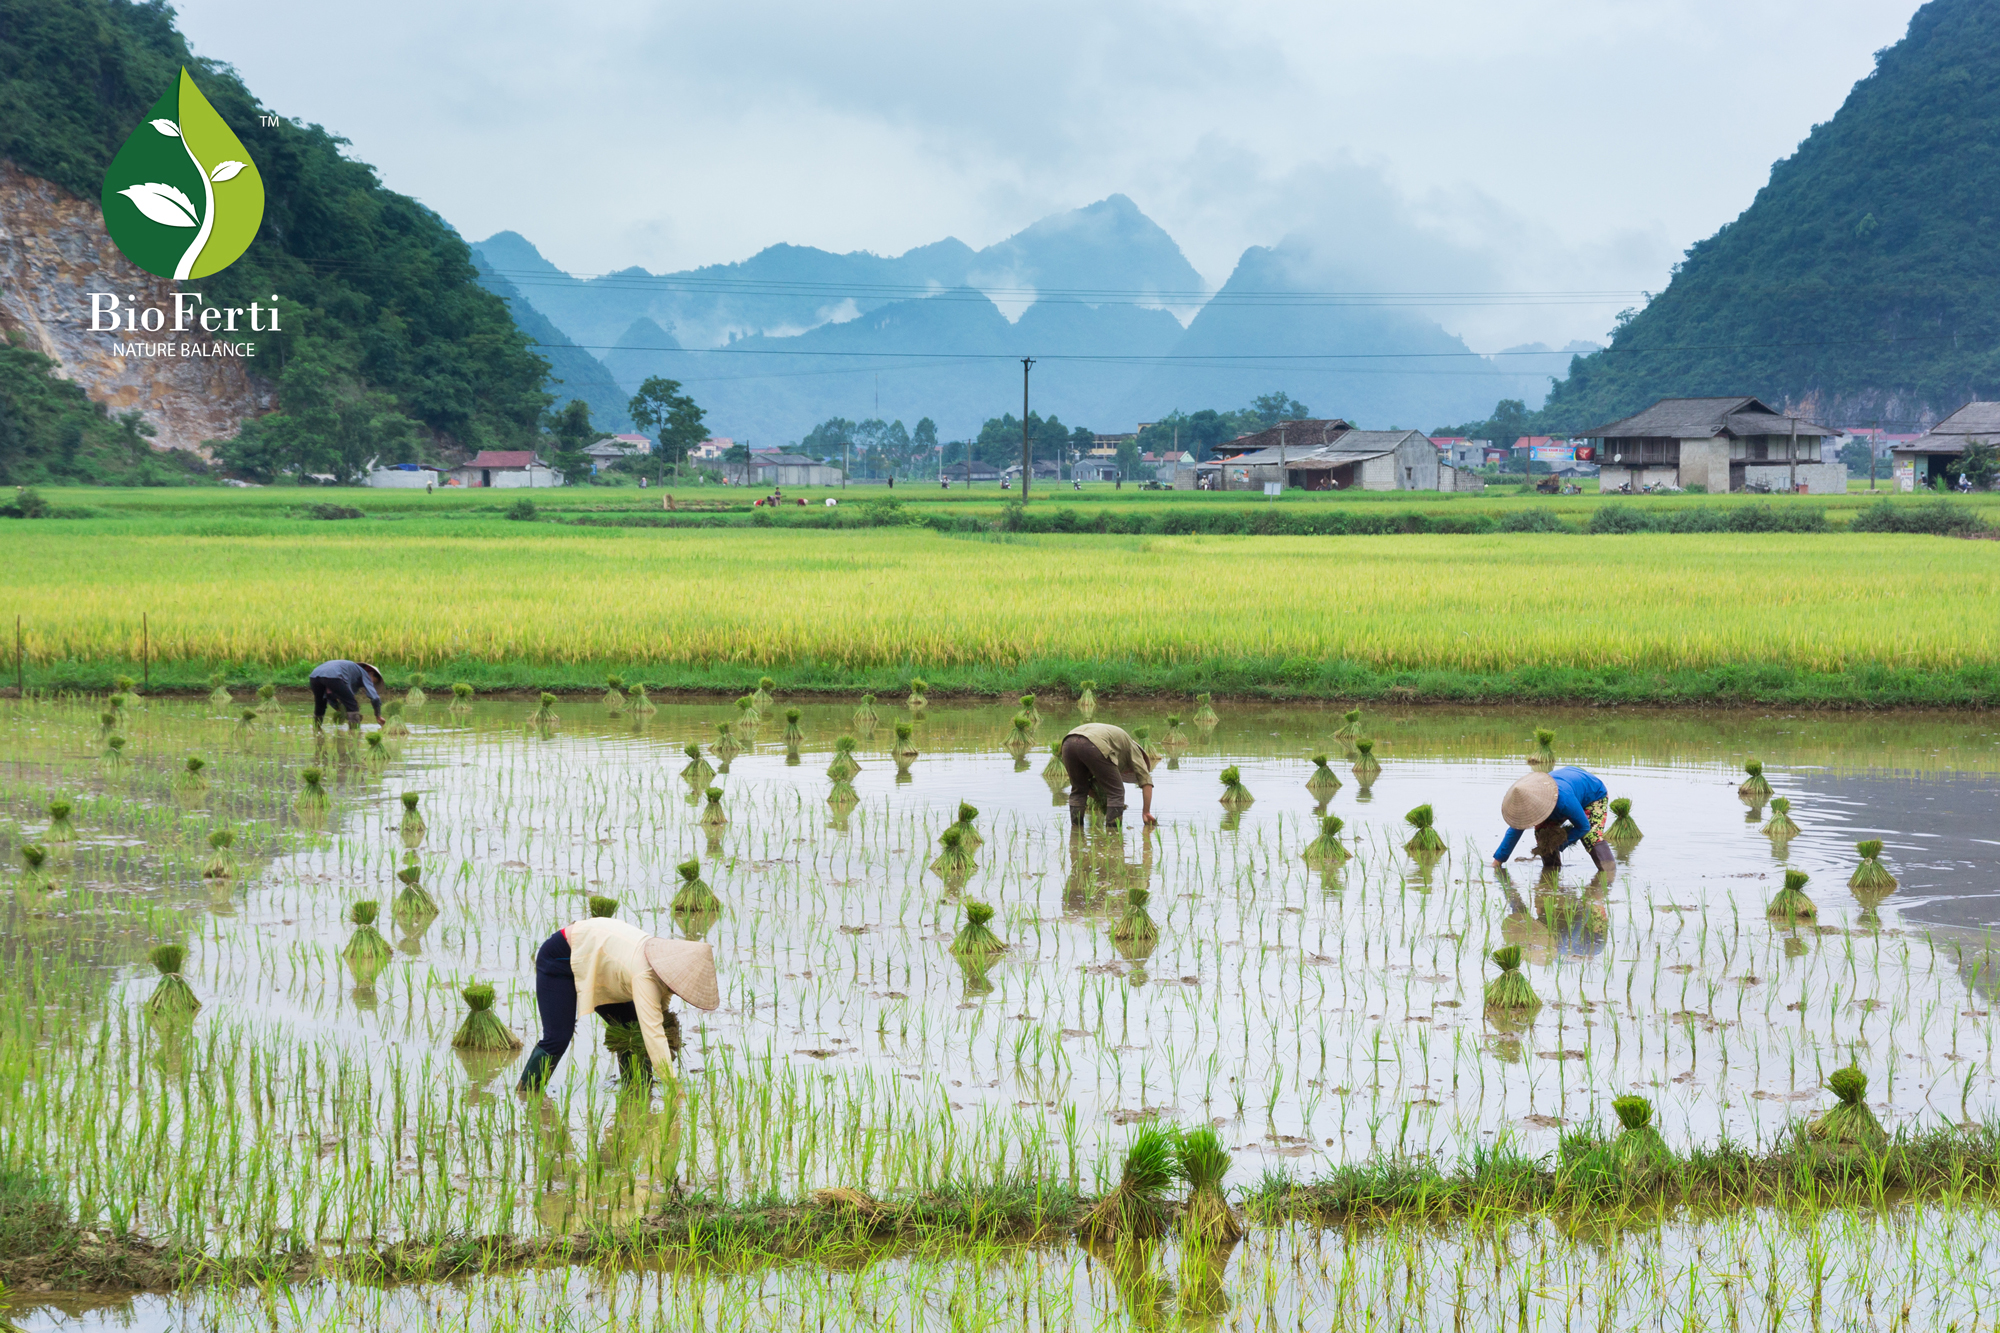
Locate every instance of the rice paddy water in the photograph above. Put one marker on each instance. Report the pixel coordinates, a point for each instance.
(206, 1039)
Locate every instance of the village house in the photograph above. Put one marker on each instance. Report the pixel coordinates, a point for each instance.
(1924, 460)
(602, 453)
(774, 468)
(505, 469)
(1717, 444)
(1321, 455)
(402, 477)
(966, 473)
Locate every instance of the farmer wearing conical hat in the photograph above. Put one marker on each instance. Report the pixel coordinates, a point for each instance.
(623, 974)
(343, 682)
(1102, 758)
(1564, 806)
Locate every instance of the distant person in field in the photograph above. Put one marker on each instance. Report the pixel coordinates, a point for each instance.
(343, 682)
(1564, 806)
(1101, 758)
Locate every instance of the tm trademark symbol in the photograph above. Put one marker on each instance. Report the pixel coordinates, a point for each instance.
(267, 120)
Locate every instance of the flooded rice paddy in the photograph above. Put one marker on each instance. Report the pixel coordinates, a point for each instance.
(1313, 1016)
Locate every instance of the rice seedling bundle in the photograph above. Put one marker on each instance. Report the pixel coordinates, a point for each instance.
(60, 828)
(1029, 711)
(312, 790)
(967, 812)
(33, 857)
(954, 862)
(725, 746)
(461, 697)
(1135, 928)
(1366, 766)
(602, 906)
(975, 939)
(694, 898)
(173, 997)
(614, 695)
(1754, 789)
(1545, 746)
(482, 1029)
(1326, 850)
(841, 798)
(366, 947)
(1851, 1124)
(795, 735)
(627, 1042)
(220, 864)
(713, 815)
(1322, 781)
(1780, 826)
(246, 719)
(1017, 741)
(114, 748)
(1055, 771)
(191, 779)
(414, 903)
(1639, 1149)
(762, 694)
(917, 698)
(1791, 904)
(1871, 875)
(1204, 1162)
(545, 718)
(393, 723)
(1235, 795)
(218, 693)
(1136, 1209)
(1509, 993)
(748, 715)
(1624, 829)
(642, 703)
(107, 721)
(864, 716)
(844, 765)
(697, 770)
(1086, 699)
(413, 827)
(1426, 841)
(1350, 725)
(1174, 738)
(373, 748)
(415, 696)
(904, 751)
(1204, 713)
(267, 695)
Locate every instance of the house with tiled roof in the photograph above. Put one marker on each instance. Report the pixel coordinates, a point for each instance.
(505, 469)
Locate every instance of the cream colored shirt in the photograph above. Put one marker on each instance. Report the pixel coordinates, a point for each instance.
(1117, 745)
(610, 965)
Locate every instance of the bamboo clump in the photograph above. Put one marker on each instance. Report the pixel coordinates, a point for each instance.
(482, 1029)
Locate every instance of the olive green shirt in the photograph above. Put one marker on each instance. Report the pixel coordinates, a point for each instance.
(1117, 745)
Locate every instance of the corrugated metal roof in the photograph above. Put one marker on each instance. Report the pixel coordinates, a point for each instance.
(505, 458)
(1679, 418)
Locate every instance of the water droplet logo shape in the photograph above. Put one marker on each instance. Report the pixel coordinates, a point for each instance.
(182, 198)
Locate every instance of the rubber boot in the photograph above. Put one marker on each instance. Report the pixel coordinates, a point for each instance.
(535, 1074)
(1607, 860)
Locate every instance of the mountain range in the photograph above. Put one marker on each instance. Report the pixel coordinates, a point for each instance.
(1121, 327)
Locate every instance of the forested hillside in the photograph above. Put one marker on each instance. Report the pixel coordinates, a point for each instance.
(1863, 282)
(394, 344)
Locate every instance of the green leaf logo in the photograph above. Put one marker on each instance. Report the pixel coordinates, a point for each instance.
(182, 198)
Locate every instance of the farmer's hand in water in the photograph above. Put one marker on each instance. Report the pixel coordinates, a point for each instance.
(1151, 822)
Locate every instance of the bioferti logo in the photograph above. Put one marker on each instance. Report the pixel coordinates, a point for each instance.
(182, 198)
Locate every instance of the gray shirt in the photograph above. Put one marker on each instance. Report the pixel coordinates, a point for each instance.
(351, 675)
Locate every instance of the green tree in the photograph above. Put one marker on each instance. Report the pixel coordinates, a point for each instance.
(1271, 408)
(923, 447)
(570, 433)
(1979, 464)
(999, 441)
(329, 423)
(675, 419)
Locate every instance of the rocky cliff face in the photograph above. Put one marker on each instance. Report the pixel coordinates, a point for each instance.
(53, 253)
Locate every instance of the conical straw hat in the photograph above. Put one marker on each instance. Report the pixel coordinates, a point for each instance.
(687, 967)
(1529, 801)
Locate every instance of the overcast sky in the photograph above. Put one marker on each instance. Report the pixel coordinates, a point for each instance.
(1521, 146)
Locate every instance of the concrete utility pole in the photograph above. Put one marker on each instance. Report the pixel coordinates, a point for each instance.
(1871, 453)
(1792, 456)
(1027, 459)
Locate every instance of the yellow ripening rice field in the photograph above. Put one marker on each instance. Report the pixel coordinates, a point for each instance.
(879, 597)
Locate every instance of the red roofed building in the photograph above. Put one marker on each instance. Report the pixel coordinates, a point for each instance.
(505, 469)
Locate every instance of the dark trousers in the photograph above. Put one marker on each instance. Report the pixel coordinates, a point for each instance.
(336, 691)
(1090, 771)
(555, 997)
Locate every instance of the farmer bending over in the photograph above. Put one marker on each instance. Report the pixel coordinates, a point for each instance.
(338, 680)
(1102, 758)
(623, 974)
(1565, 806)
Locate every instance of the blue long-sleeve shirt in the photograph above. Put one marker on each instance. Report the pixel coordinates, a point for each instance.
(351, 675)
(1575, 789)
